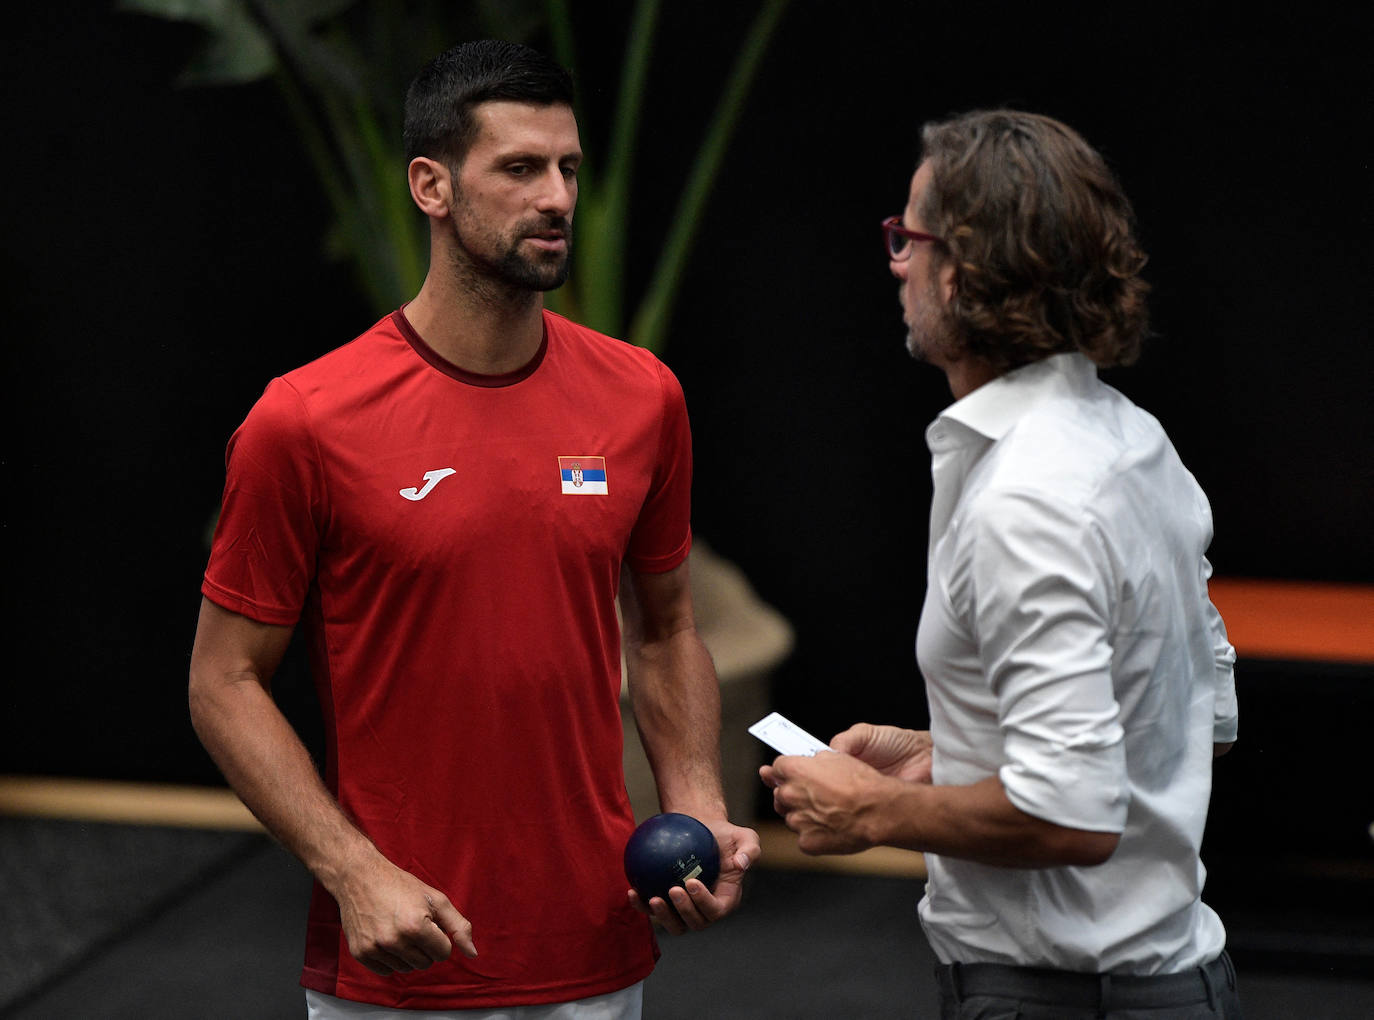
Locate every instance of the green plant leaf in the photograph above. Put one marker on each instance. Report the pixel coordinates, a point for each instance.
(650, 324)
(208, 13)
(605, 305)
(237, 51)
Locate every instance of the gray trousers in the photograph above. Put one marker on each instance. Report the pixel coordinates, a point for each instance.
(988, 991)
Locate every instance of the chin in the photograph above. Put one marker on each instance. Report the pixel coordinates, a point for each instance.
(555, 278)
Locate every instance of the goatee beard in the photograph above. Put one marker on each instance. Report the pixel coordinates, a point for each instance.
(513, 271)
(516, 270)
(541, 274)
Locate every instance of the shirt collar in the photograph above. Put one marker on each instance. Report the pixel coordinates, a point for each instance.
(990, 411)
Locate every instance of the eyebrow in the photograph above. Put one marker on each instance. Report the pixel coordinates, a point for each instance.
(531, 156)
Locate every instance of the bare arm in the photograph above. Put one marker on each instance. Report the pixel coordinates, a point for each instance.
(839, 803)
(393, 921)
(674, 691)
(676, 700)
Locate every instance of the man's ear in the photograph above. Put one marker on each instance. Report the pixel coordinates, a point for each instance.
(431, 186)
(945, 275)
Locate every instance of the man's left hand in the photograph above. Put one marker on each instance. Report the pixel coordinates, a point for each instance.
(697, 907)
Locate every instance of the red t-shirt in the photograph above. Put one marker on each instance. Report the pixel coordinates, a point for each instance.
(452, 545)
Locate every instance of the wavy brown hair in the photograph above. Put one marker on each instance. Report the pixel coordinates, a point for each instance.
(1041, 237)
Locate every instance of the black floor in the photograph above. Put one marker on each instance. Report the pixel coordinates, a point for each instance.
(101, 921)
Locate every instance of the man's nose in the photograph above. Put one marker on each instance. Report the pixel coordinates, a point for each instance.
(558, 196)
(898, 269)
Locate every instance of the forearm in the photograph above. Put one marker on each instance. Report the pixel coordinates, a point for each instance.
(676, 700)
(269, 768)
(976, 822)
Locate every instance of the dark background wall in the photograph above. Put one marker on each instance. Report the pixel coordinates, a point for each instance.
(163, 261)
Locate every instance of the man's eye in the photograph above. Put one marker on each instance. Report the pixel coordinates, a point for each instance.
(570, 172)
(518, 170)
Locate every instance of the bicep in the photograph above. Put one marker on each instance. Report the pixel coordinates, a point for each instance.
(655, 606)
(230, 648)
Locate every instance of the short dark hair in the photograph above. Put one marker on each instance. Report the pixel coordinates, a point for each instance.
(438, 111)
(1041, 237)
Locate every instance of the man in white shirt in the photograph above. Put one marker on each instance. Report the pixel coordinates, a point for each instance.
(1079, 678)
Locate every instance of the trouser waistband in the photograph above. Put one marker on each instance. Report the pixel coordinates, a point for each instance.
(1101, 992)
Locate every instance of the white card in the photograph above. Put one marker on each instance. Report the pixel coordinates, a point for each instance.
(785, 736)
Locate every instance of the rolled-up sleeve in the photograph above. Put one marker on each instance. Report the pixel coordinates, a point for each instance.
(1040, 602)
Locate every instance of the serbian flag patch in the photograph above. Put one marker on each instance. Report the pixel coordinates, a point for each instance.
(583, 476)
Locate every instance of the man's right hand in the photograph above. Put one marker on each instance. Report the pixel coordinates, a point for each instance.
(395, 923)
(902, 754)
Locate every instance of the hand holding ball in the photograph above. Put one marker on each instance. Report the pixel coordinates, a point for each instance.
(668, 849)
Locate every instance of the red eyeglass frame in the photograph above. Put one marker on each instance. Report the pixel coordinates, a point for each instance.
(893, 226)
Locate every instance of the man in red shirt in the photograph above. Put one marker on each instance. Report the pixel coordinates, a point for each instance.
(449, 506)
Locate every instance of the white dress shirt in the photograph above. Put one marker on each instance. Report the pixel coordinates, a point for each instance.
(1070, 648)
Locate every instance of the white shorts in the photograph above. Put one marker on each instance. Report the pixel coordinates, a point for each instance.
(626, 1004)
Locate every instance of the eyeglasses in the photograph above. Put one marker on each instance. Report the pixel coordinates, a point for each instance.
(897, 239)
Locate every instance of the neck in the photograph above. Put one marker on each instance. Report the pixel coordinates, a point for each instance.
(479, 326)
(967, 374)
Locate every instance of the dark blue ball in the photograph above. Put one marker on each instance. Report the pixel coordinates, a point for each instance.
(668, 849)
